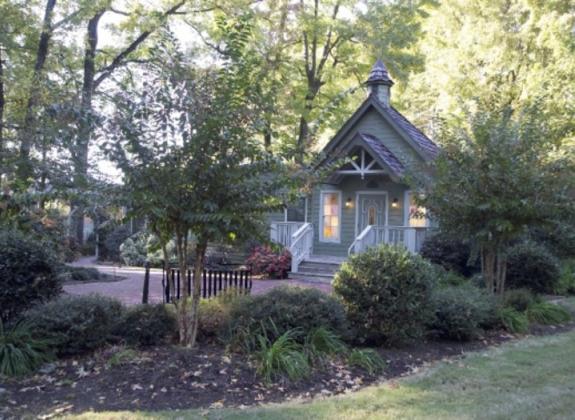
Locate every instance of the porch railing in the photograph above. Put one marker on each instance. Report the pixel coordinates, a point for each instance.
(282, 232)
(301, 245)
(410, 237)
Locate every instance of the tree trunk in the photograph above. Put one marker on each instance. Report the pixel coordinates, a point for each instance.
(494, 268)
(28, 132)
(183, 304)
(1, 115)
(85, 124)
(196, 293)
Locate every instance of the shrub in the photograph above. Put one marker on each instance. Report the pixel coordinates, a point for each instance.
(147, 325)
(112, 240)
(288, 308)
(566, 283)
(214, 314)
(513, 321)
(78, 274)
(386, 293)
(21, 353)
(265, 260)
(560, 238)
(451, 254)
(519, 299)
(446, 278)
(76, 324)
(461, 311)
(28, 274)
(532, 266)
(282, 357)
(546, 313)
(367, 359)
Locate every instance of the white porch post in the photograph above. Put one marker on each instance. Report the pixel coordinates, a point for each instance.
(410, 239)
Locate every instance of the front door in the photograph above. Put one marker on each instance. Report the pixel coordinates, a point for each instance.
(371, 210)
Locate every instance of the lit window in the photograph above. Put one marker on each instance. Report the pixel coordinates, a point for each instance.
(330, 217)
(417, 215)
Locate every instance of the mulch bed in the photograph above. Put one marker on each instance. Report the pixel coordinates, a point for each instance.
(164, 378)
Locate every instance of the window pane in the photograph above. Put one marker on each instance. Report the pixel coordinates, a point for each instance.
(330, 216)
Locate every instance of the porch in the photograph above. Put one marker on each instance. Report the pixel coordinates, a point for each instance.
(298, 237)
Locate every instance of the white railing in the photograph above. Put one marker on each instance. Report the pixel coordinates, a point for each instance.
(282, 232)
(409, 237)
(301, 245)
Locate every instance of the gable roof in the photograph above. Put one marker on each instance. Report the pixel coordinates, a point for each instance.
(422, 144)
(383, 153)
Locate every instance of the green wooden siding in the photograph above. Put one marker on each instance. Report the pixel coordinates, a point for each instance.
(349, 187)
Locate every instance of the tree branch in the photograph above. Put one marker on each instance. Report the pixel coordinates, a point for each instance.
(120, 58)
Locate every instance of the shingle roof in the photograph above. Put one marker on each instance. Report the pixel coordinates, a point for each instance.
(379, 74)
(414, 133)
(383, 153)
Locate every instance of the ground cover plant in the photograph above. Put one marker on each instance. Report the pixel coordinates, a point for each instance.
(20, 352)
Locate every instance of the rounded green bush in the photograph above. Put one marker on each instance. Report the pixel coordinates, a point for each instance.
(386, 294)
(283, 309)
(532, 266)
(28, 274)
(451, 254)
(76, 324)
(147, 325)
(461, 311)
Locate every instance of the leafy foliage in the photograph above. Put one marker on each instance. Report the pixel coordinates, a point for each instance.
(367, 359)
(21, 353)
(322, 342)
(386, 293)
(283, 356)
(495, 178)
(532, 266)
(288, 308)
(461, 311)
(451, 254)
(75, 324)
(519, 299)
(546, 313)
(147, 325)
(513, 320)
(566, 283)
(28, 274)
(265, 260)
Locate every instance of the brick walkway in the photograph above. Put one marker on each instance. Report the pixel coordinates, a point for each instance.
(129, 290)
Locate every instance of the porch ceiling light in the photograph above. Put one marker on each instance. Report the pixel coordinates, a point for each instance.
(395, 203)
(348, 203)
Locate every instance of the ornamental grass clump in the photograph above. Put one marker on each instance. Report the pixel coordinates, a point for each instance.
(20, 352)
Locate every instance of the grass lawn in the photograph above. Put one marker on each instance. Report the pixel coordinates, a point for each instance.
(527, 379)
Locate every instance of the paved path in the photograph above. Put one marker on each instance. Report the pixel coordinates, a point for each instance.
(129, 290)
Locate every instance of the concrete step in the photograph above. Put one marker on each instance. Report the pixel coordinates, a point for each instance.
(319, 266)
(312, 277)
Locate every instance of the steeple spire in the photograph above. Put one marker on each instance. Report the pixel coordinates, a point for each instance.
(379, 83)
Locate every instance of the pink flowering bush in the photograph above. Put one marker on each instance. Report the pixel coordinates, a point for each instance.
(265, 260)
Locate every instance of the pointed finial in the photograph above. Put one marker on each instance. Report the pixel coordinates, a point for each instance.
(379, 74)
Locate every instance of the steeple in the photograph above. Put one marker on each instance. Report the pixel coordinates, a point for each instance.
(378, 83)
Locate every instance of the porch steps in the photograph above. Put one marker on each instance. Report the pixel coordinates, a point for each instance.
(317, 268)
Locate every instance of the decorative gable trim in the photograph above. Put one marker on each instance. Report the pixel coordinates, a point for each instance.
(419, 142)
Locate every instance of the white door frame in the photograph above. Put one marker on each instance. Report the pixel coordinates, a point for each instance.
(369, 192)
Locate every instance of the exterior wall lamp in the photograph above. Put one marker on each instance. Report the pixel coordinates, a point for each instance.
(395, 203)
(348, 203)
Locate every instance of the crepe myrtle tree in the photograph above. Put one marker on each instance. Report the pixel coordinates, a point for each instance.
(497, 175)
(187, 147)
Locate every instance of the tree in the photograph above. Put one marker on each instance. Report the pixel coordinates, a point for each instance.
(188, 150)
(523, 47)
(498, 174)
